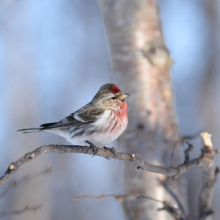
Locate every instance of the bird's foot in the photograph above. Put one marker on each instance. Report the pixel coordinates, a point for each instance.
(94, 148)
(113, 150)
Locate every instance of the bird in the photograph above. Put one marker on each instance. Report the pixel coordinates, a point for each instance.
(97, 123)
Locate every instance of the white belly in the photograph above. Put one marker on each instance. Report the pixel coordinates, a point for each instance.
(102, 132)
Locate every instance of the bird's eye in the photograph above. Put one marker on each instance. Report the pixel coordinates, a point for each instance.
(113, 98)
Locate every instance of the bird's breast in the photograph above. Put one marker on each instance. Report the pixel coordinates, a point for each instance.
(119, 120)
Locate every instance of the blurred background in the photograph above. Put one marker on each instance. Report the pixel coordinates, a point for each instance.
(54, 56)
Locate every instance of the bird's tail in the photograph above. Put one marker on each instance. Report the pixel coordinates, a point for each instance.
(30, 130)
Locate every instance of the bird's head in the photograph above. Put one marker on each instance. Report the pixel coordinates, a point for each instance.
(110, 96)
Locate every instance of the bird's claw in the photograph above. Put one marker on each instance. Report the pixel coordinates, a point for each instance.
(113, 150)
(94, 148)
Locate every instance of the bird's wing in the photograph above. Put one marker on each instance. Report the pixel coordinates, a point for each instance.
(84, 115)
(88, 114)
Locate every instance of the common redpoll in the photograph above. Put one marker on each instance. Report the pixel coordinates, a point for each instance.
(100, 122)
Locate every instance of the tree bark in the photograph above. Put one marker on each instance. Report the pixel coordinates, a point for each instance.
(141, 65)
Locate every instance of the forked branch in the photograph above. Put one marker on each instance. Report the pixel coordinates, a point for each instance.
(203, 161)
(206, 161)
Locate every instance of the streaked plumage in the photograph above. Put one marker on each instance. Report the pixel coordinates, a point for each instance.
(101, 121)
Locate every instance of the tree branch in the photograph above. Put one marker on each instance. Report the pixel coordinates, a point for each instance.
(174, 210)
(117, 196)
(205, 160)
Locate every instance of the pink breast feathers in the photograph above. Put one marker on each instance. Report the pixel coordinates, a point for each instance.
(122, 109)
(121, 118)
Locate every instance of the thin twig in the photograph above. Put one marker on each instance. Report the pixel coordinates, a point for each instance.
(168, 189)
(190, 148)
(20, 211)
(116, 196)
(15, 183)
(174, 148)
(181, 139)
(172, 209)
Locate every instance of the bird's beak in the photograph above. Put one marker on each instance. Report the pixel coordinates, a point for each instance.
(123, 96)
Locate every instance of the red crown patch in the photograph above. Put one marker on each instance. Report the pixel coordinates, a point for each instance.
(115, 89)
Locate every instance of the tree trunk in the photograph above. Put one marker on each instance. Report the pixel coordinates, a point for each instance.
(141, 65)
